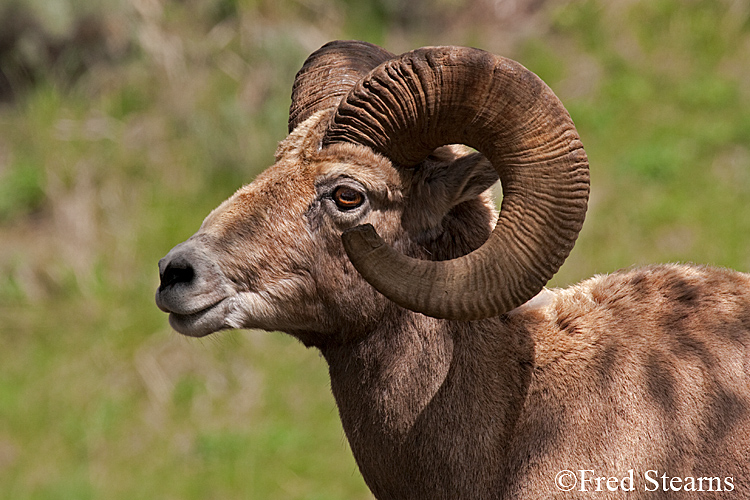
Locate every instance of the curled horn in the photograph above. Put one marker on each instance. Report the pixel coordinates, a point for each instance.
(412, 104)
(329, 74)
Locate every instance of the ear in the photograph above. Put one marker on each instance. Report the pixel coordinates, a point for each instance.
(451, 176)
(458, 174)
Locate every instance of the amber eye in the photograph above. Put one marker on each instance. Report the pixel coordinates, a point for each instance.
(347, 198)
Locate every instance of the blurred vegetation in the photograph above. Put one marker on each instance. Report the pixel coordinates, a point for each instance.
(123, 122)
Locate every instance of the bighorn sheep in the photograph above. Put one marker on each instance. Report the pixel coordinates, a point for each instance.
(456, 374)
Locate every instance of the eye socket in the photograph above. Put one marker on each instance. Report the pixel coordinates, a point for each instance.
(347, 198)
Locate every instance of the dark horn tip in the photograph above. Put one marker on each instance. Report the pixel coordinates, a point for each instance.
(361, 239)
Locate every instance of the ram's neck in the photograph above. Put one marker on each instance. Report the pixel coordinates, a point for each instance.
(431, 404)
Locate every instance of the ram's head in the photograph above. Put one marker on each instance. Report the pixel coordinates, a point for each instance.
(367, 211)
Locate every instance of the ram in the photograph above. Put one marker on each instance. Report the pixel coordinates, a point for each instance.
(457, 375)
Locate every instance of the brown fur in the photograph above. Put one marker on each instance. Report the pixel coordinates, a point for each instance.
(645, 369)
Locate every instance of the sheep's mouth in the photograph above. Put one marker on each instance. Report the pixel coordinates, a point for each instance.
(200, 323)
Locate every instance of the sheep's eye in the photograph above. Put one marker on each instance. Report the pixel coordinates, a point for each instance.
(347, 198)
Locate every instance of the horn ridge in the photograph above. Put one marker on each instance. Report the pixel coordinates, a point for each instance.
(328, 75)
(410, 105)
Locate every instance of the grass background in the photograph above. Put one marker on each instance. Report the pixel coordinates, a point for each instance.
(123, 122)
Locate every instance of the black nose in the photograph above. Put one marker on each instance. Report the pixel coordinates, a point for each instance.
(175, 270)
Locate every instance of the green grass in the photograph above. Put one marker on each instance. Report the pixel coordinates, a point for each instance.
(101, 174)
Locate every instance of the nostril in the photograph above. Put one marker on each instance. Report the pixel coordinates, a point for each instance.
(177, 271)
